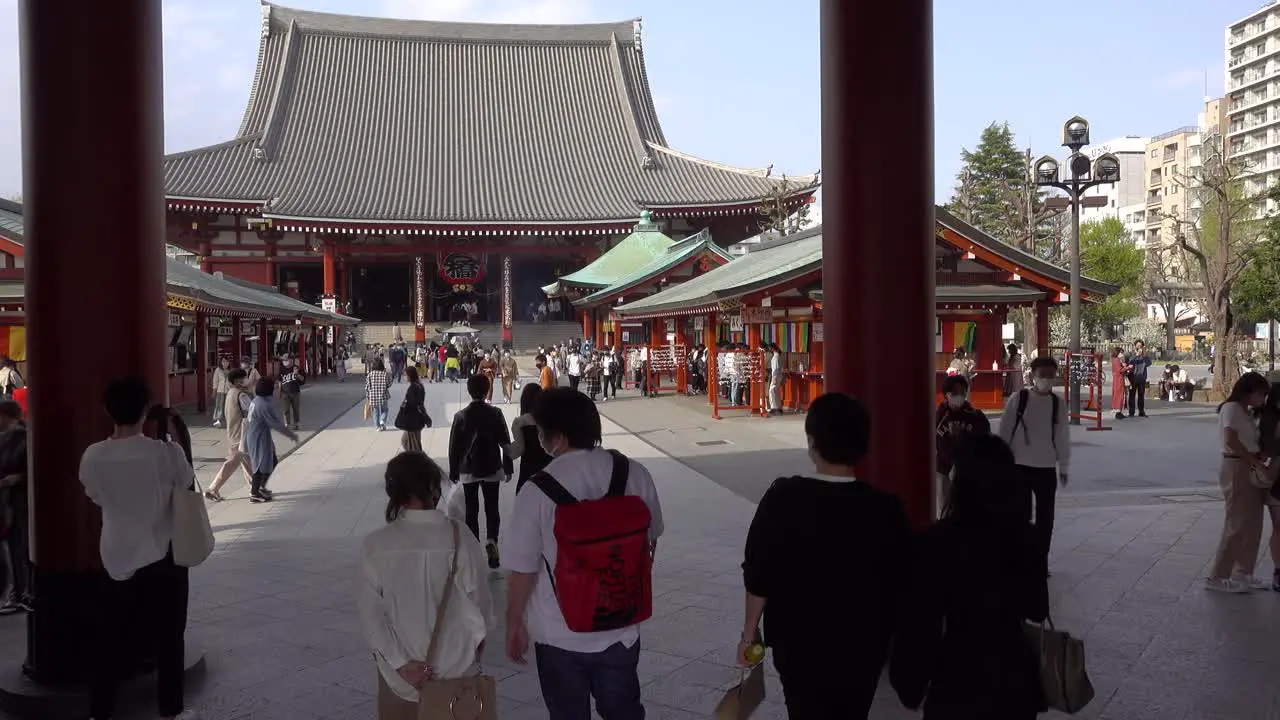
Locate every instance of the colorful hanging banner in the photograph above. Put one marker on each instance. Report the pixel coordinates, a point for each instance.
(13, 342)
(459, 268)
(790, 337)
(960, 335)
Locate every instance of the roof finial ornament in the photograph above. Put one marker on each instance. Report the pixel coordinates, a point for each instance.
(636, 27)
(647, 162)
(266, 20)
(768, 172)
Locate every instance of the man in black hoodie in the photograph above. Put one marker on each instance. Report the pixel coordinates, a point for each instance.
(13, 506)
(479, 459)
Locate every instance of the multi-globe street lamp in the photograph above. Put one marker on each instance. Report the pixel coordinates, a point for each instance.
(1082, 174)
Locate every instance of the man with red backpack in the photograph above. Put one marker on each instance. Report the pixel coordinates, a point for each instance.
(580, 550)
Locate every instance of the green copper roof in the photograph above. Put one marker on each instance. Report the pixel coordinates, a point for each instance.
(645, 244)
(773, 263)
(678, 253)
(11, 220)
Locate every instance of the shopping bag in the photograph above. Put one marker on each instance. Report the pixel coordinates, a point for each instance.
(453, 503)
(368, 410)
(1062, 672)
(743, 699)
(192, 533)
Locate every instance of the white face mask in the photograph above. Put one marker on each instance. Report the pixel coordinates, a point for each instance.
(956, 401)
(1043, 385)
(550, 450)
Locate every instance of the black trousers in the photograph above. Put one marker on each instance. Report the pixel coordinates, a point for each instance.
(816, 686)
(16, 540)
(1138, 397)
(144, 617)
(573, 381)
(471, 494)
(1040, 485)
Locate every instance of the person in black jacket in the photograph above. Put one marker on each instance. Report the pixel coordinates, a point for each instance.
(823, 566)
(961, 650)
(525, 445)
(412, 416)
(291, 381)
(955, 421)
(479, 458)
(13, 508)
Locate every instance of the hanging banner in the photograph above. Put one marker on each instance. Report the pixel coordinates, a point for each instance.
(419, 292)
(459, 268)
(506, 291)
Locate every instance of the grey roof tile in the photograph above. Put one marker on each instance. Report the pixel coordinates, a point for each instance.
(11, 220)
(412, 121)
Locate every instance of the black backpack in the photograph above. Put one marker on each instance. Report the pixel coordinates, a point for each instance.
(1023, 396)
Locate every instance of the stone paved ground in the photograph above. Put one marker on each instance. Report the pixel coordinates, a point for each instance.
(275, 613)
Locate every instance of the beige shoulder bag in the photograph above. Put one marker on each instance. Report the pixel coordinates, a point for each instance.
(468, 698)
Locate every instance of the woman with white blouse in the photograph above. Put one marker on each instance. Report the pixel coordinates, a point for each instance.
(405, 567)
(1242, 527)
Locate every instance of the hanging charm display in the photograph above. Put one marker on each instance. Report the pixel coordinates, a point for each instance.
(419, 292)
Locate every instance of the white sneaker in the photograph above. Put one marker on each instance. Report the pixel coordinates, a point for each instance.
(1252, 582)
(1225, 585)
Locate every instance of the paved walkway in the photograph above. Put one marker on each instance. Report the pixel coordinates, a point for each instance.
(274, 607)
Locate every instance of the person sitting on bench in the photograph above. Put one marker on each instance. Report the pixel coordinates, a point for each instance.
(1183, 386)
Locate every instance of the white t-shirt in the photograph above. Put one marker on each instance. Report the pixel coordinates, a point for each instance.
(132, 479)
(403, 570)
(575, 364)
(1235, 416)
(1038, 442)
(529, 543)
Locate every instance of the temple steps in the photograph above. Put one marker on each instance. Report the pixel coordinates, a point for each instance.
(526, 336)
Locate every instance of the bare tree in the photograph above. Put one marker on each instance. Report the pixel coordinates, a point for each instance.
(780, 214)
(1170, 284)
(1218, 241)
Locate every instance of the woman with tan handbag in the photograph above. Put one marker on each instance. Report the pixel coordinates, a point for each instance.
(1237, 553)
(424, 602)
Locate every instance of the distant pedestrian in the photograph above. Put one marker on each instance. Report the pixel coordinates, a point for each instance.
(1237, 555)
(220, 388)
(479, 458)
(236, 407)
(291, 381)
(1137, 364)
(956, 421)
(1119, 382)
(412, 417)
(263, 417)
(377, 391)
(1034, 425)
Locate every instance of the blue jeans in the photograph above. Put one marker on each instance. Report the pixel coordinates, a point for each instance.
(570, 679)
(379, 414)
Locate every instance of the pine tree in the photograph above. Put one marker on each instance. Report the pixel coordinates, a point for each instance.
(991, 186)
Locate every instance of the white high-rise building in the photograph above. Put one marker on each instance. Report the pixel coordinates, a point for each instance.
(1253, 96)
(1131, 190)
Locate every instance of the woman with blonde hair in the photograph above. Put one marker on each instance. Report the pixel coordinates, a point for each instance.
(1241, 462)
(408, 569)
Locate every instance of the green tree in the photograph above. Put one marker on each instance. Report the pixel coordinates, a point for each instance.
(992, 184)
(1256, 295)
(1107, 253)
(779, 213)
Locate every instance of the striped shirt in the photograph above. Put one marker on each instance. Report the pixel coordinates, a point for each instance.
(375, 387)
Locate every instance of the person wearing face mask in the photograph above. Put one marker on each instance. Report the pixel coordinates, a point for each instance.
(956, 420)
(291, 380)
(576, 666)
(1237, 554)
(829, 663)
(251, 373)
(220, 389)
(1034, 424)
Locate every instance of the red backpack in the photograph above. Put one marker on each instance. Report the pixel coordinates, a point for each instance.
(604, 570)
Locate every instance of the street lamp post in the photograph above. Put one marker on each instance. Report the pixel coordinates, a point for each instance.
(1083, 174)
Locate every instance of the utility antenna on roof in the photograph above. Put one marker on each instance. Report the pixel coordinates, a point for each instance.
(266, 20)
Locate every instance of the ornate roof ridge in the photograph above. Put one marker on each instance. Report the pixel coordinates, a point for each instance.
(205, 149)
(274, 16)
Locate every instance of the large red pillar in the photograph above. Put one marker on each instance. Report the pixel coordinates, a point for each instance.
(92, 160)
(878, 240)
(327, 263)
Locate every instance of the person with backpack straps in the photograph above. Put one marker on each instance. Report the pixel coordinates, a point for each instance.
(479, 458)
(586, 529)
(1034, 423)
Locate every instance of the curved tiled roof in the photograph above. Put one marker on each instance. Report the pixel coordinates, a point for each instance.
(11, 221)
(677, 254)
(399, 121)
(645, 243)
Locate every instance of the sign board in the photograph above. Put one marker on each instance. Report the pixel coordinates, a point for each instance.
(248, 328)
(329, 304)
(1084, 369)
(626, 336)
(757, 315)
(328, 335)
(735, 323)
(817, 332)
(698, 321)
(225, 331)
(670, 325)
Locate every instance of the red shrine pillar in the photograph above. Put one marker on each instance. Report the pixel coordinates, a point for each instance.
(206, 257)
(264, 349)
(1042, 329)
(586, 323)
(237, 342)
(327, 262)
(91, 89)
(203, 377)
(878, 240)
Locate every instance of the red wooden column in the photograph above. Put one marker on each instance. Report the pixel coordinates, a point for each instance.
(206, 257)
(341, 291)
(264, 348)
(586, 324)
(878, 240)
(327, 263)
(92, 141)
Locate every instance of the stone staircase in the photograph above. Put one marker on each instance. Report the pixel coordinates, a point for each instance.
(526, 336)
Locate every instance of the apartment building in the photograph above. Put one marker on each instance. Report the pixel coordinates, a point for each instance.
(1168, 167)
(1253, 97)
(1131, 151)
